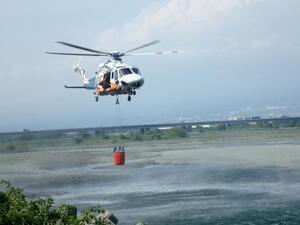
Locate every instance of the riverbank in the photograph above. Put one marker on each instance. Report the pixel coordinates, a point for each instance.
(207, 176)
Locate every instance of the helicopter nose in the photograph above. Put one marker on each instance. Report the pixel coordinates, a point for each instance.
(134, 81)
(139, 82)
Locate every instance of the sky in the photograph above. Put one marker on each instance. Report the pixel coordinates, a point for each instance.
(238, 55)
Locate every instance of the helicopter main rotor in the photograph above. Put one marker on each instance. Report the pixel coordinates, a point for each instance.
(117, 56)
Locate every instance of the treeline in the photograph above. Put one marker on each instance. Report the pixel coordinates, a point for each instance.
(15, 209)
(275, 124)
(141, 135)
(280, 124)
(25, 141)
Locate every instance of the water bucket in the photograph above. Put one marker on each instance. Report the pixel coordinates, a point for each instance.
(119, 155)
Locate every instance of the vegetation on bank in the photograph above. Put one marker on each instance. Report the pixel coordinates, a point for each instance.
(28, 141)
(15, 209)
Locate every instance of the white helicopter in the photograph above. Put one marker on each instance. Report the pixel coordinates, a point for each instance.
(113, 77)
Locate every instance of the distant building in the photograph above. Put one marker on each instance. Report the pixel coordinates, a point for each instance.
(165, 128)
(236, 118)
(253, 118)
(207, 125)
(283, 117)
(71, 133)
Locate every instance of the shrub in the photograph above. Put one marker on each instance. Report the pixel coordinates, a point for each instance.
(175, 132)
(137, 137)
(221, 126)
(77, 140)
(10, 147)
(156, 137)
(84, 134)
(102, 135)
(264, 125)
(27, 136)
(15, 209)
(201, 129)
(123, 137)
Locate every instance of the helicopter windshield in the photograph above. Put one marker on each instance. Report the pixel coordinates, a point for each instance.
(125, 71)
(135, 70)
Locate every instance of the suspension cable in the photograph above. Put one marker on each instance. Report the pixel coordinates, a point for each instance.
(118, 119)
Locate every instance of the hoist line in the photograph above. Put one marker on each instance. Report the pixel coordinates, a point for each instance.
(118, 119)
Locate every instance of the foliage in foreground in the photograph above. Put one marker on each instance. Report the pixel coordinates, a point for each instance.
(16, 210)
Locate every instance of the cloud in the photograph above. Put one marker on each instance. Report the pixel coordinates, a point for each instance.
(176, 19)
(209, 27)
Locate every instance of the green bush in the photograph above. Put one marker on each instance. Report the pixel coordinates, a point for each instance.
(240, 126)
(266, 125)
(102, 135)
(174, 133)
(16, 210)
(297, 123)
(137, 137)
(221, 126)
(84, 134)
(10, 147)
(27, 136)
(77, 140)
(155, 137)
(123, 137)
(275, 125)
(201, 129)
(153, 132)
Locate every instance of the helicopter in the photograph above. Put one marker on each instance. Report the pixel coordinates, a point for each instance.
(112, 77)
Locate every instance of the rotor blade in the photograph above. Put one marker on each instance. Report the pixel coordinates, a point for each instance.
(83, 48)
(74, 86)
(154, 53)
(142, 46)
(81, 54)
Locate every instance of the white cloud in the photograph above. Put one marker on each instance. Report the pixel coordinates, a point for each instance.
(206, 28)
(184, 20)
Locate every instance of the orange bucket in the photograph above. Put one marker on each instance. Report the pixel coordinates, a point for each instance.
(119, 155)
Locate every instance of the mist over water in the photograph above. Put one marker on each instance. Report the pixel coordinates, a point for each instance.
(255, 180)
(189, 193)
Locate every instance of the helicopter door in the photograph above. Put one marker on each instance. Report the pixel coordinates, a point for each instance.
(116, 75)
(106, 80)
(112, 78)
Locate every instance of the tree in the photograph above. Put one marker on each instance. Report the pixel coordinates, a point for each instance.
(10, 147)
(175, 133)
(297, 124)
(77, 140)
(16, 210)
(221, 126)
(84, 134)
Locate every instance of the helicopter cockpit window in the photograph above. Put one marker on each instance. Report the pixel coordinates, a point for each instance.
(136, 70)
(125, 71)
(116, 75)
